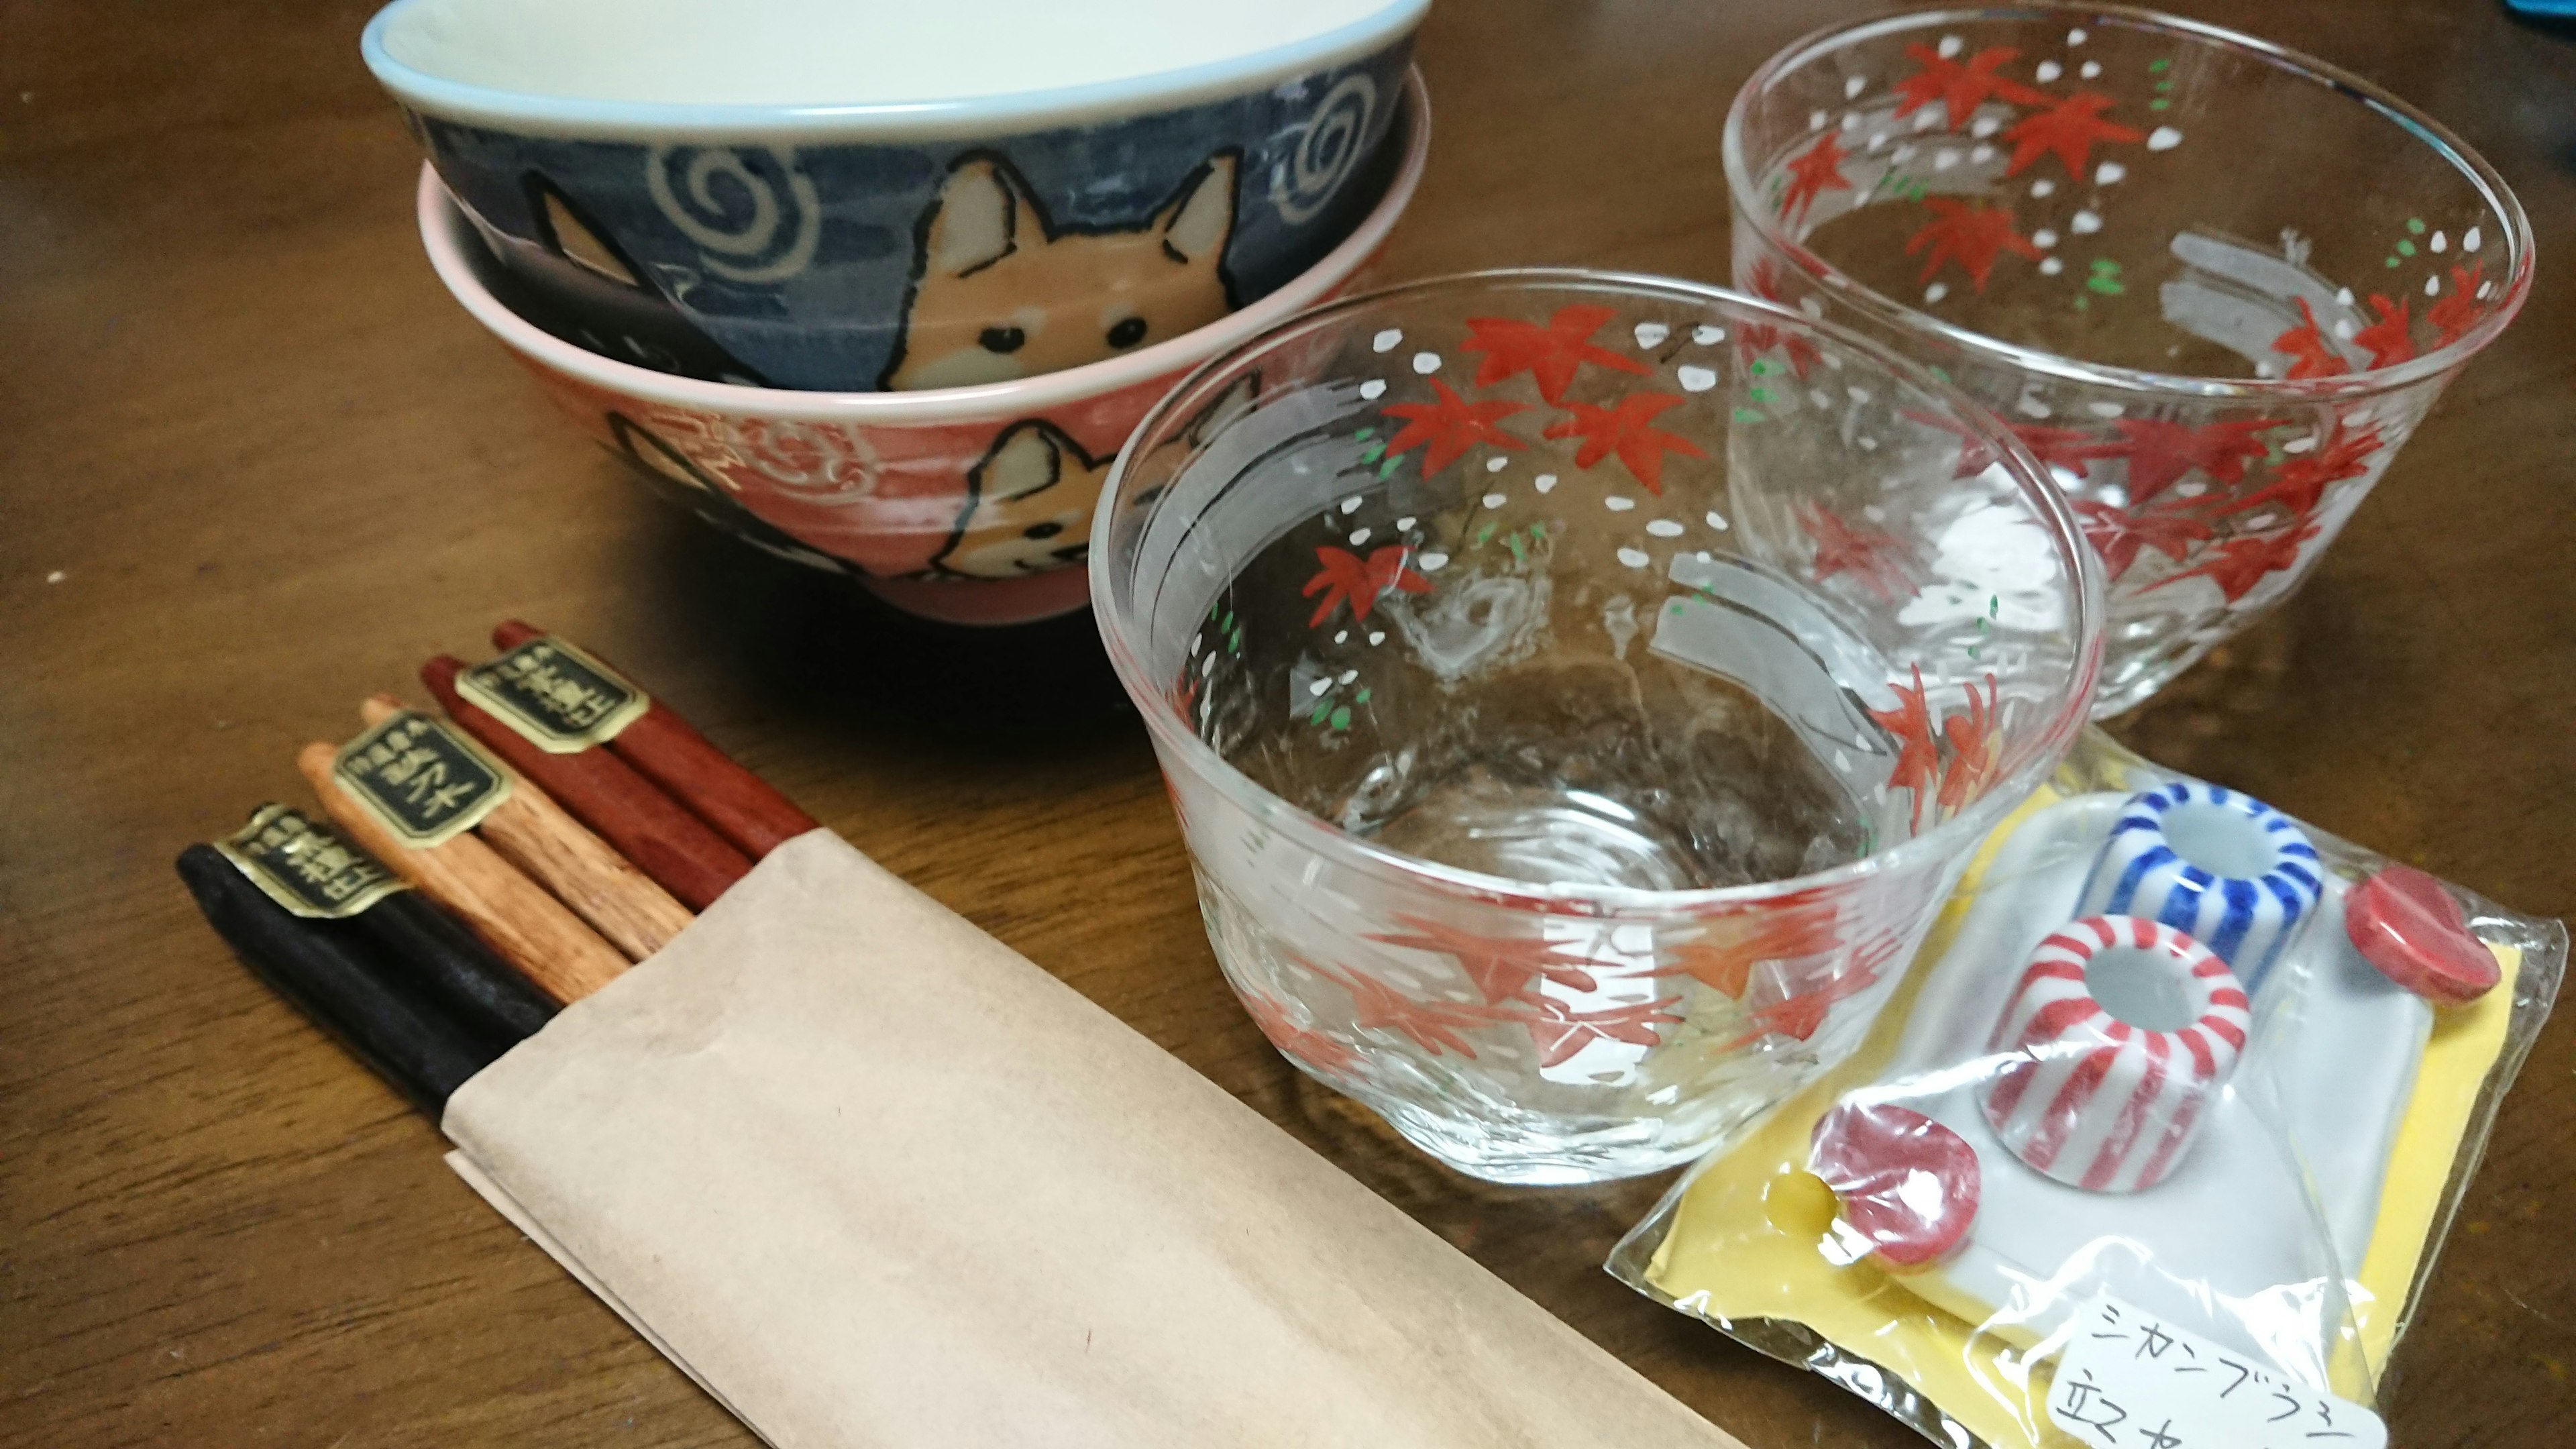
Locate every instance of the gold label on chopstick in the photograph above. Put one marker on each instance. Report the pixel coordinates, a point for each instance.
(561, 699)
(422, 780)
(303, 864)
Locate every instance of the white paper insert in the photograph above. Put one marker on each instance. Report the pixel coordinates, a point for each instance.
(2131, 1380)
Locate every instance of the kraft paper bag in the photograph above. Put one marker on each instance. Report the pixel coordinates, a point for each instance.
(872, 1178)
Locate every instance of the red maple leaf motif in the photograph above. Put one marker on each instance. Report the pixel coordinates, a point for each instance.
(1346, 578)
(1801, 1015)
(1624, 430)
(2241, 563)
(1560, 1031)
(1722, 956)
(1970, 236)
(1448, 428)
(2302, 479)
(1812, 173)
(1302, 1044)
(1878, 559)
(1432, 1025)
(1549, 354)
(1975, 454)
(2160, 453)
(1974, 747)
(2070, 448)
(2068, 130)
(1917, 758)
(2312, 355)
(2387, 338)
(2118, 536)
(1962, 88)
(2458, 311)
(1756, 338)
(1503, 967)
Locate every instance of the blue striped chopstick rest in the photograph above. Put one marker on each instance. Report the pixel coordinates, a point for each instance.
(2215, 864)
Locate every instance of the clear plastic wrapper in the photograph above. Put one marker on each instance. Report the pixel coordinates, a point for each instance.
(2166, 1123)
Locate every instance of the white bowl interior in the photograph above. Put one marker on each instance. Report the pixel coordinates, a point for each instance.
(842, 52)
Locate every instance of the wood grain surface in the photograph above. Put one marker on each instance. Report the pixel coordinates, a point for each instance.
(254, 464)
(520, 920)
(529, 830)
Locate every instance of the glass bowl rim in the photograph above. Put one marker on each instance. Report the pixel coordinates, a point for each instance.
(1888, 311)
(1957, 835)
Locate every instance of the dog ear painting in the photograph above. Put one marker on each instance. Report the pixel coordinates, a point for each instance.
(998, 291)
(1029, 499)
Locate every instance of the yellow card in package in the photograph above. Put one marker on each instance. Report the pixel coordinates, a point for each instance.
(2090, 1169)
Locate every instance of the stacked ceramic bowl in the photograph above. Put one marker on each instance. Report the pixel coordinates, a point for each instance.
(886, 287)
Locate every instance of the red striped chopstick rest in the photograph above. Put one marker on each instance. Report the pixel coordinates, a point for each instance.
(669, 751)
(2116, 1042)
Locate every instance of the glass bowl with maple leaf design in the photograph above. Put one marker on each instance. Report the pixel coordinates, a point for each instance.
(2213, 284)
(1575, 715)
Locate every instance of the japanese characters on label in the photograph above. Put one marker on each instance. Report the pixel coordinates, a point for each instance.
(422, 779)
(304, 865)
(561, 699)
(2129, 1380)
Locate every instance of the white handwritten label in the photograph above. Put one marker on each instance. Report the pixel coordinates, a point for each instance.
(2129, 1380)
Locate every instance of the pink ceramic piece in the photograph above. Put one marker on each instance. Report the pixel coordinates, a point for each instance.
(1906, 1183)
(2404, 923)
(967, 504)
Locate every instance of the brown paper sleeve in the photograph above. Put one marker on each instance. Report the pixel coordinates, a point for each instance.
(874, 1179)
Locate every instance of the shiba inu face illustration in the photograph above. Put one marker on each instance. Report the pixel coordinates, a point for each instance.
(622, 313)
(1028, 506)
(1000, 292)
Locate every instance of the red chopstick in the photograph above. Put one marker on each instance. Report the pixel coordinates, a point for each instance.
(603, 792)
(668, 750)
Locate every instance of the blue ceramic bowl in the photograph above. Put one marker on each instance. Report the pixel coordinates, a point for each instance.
(857, 194)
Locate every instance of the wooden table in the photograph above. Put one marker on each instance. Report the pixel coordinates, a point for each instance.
(255, 464)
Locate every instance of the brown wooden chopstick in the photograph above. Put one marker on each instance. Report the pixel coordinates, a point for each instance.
(515, 917)
(602, 887)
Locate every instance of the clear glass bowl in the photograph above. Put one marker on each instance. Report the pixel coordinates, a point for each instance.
(2214, 284)
(1579, 691)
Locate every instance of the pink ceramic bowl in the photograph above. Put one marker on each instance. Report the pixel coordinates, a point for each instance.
(971, 505)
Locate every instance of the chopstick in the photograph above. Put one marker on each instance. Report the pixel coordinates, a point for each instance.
(649, 828)
(529, 830)
(667, 750)
(527, 927)
(424, 1051)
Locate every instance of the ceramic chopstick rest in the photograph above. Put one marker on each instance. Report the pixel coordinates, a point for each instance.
(2405, 923)
(2219, 865)
(2116, 1041)
(1904, 1183)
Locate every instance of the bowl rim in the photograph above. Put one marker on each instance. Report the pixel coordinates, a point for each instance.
(442, 221)
(813, 123)
(1889, 311)
(2090, 621)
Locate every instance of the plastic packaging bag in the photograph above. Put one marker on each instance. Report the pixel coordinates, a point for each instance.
(2177, 1090)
